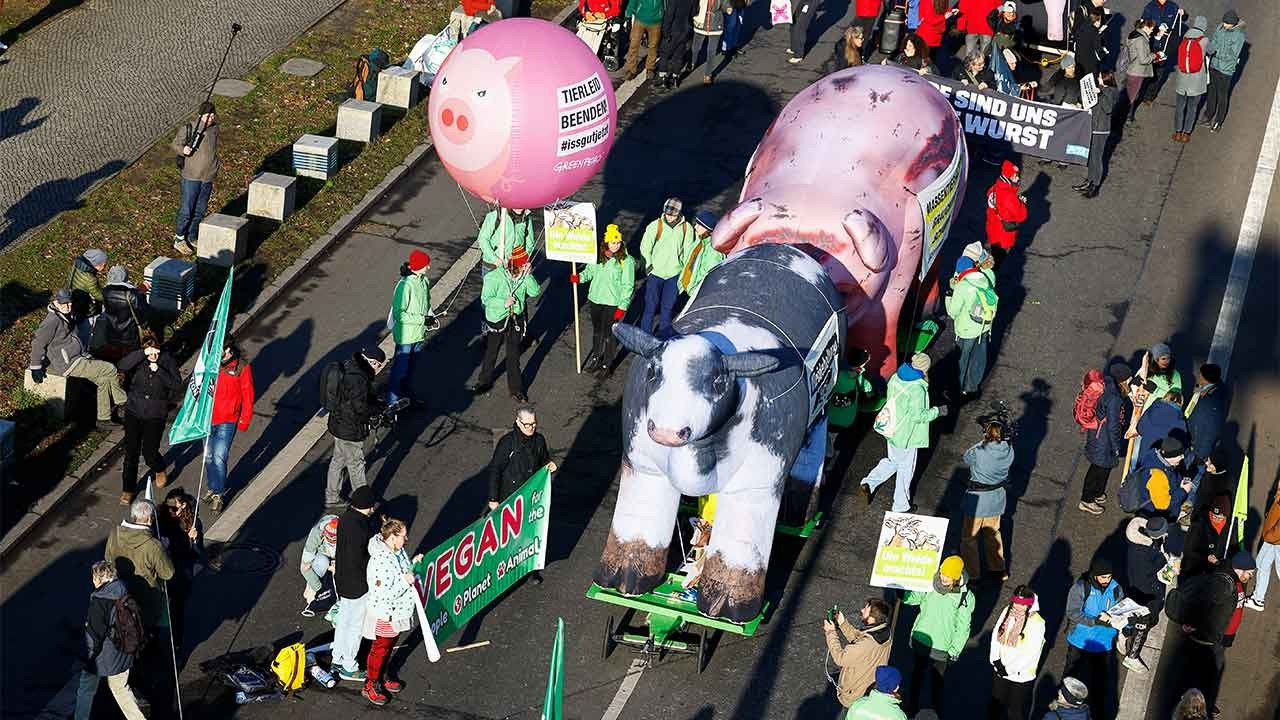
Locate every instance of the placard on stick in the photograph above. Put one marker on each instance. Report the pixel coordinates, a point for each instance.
(908, 551)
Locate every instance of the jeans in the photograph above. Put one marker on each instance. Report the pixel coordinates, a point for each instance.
(1097, 670)
(1268, 562)
(119, 685)
(1185, 109)
(103, 375)
(973, 361)
(802, 12)
(1097, 151)
(347, 633)
(901, 461)
(659, 297)
(313, 571)
(192, 209)
(348, 455)
(141, 437)
(1215, 109)
(732, 29)
(216, 452)
(713, 53)
(403, 366)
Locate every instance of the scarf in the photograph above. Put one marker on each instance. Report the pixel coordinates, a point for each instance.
(1012, 624)
(1218, 525)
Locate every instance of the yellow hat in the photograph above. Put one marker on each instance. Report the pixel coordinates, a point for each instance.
(952, 567)
(612, 234)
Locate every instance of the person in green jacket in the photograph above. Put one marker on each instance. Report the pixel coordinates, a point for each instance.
(702, 256)
(941, 629)
(610, 285)
(409, 319)
(971, 305)
(1225, 48)
(501, 231)
(882, 703)
(503, 297)
(646, 19)
(86, 284)
(904, 422)
(664, 248)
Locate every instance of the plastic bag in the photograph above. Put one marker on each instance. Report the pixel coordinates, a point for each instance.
(429, 53)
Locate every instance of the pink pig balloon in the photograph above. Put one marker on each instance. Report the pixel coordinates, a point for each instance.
(522, 113)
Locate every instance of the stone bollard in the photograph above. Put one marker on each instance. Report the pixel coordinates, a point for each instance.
(398, 87)
(272, 196)
(359, 120)
(315, 156)
(222, 240)
(66, 398)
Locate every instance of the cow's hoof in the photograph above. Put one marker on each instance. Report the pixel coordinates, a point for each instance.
(731, 593)
(632, 567)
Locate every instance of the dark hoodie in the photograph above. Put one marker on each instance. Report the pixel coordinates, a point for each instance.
(515, 458)
(107, 659)
(1203, 540)
(356, 404)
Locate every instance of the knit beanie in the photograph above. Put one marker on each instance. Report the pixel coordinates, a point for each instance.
(418, 260)
(1074, 691)
(612, 234)
(95, 256)
(921, 362)
(117, 274)
(1119, 372)
(1242, 560)
(1160, 350)
(952, 567)
(888, 679)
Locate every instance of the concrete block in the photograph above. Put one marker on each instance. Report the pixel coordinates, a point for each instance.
(399, 87)
(359, 120)
(315, 156)
(222, 240)
(272, 196)
(301, 67)
(230, 87)
(66, 398)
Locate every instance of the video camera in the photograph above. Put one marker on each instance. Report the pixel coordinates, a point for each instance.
(387, 417)
(999, 414)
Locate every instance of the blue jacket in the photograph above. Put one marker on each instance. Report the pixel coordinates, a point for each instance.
(1227, 46)
(1084, 604)
(989, 465)
(1080, 712)
(1206, 419)
(1105, 446)
(1167, 15)
(1172, 493)
(1160, 420)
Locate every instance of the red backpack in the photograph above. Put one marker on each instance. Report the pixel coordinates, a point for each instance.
(1190, 56)
(1087, 400)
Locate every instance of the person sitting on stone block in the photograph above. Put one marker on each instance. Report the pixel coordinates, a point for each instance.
(57, 349)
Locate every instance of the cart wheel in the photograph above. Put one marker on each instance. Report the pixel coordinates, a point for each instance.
(607, 646)
(702, 648)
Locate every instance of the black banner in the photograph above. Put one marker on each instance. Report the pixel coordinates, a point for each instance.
(1052, 132)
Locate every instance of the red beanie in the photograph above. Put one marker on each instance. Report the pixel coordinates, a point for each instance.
(519, 258)
(1008, 169)
(418, 260)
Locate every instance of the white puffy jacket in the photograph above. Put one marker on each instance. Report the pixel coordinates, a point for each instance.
(1023, 658)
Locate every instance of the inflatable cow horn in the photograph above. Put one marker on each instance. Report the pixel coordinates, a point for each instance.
(749, 364)
(636, 340)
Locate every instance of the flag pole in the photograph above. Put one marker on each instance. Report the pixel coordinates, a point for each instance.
(168, 606)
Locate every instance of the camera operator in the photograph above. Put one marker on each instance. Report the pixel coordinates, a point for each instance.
(865, 645)
(352, 405)
(196, 148)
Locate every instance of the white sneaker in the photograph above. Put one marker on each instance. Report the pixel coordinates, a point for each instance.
(1135, 664)
(1254, 605)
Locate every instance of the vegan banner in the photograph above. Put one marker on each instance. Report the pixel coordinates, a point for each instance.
(909, 551)
(1052, 132)
(470, 569)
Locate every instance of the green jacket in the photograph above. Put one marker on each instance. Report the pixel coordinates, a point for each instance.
(498, 286)
(410, 308)
(646, 12)
(144, 566)
(698, 264)
(611, 282)
(964, 304)
(943, 622)
(876, 706)
(665, 248)
(910, 402)
(1227, 46)
(517, 231)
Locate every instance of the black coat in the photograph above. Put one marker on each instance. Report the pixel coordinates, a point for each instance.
(351, 556)
(1060, 89)
(516, 458)
(1203, 541)
(1090, 49)
(984, 76)
(356, 403)
(1144, 563)
(123, 312)
(150, 393)
(1205, 423)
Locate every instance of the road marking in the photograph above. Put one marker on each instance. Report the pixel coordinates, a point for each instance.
(627, 687)
(1137, 687)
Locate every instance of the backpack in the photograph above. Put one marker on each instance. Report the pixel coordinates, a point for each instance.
(127, 632)
(1131, 495)
(886, 422)
(1187, 603)
(290, 666)
(364, 86)
(1085, 410)
(330, 383)
(1190, 56)
(983, 311)
(1122, 60)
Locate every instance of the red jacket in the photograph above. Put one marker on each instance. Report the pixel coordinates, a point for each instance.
(867, 8)
(1004, 205)
(1238, 614)
(233, 399)
(932, 24)
(973, 16)
(610, 8)
(475, 7)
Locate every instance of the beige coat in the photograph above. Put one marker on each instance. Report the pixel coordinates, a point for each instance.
(859, 658)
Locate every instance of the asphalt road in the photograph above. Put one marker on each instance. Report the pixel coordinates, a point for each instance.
(1144, 262)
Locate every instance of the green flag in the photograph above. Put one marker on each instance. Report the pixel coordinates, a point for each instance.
(196, 412)
(553, 704)
(1241, 510)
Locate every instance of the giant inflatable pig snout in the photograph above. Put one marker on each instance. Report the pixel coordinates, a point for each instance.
(669, 438)
(457, 120)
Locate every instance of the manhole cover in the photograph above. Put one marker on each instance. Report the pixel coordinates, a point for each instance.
(248, 559)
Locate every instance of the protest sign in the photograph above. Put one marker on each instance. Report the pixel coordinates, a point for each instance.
(1088, 92)
(938, 205)
(908, 552)
(483, 560)
(1052, 132)
(571, 232)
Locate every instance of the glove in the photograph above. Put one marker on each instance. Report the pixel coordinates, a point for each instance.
(943, 410)
(37, 375)
(573, 278)
(618, 314)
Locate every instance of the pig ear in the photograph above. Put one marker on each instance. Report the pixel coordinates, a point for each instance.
(749, 364)
(868, 240)
(636, 340)
(729, 229)
(507, 64)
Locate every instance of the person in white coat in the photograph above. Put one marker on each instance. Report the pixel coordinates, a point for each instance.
(1016, 645)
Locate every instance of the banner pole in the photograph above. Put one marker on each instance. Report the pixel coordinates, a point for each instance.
(577, 325)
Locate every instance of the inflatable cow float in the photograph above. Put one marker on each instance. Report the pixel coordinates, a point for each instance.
(845, 192)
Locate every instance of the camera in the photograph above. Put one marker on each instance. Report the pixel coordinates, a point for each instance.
(999, 414)
(831, 613)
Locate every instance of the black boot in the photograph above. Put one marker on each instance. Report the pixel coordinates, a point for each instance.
(589, 361)
(1091, 192)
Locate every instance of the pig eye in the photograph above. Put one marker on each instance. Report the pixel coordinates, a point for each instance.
(481, 93)
(443, 81)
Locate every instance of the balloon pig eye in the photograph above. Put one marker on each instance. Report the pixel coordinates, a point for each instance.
(480, 93)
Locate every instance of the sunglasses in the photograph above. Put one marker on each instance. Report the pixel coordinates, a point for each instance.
(522, 423)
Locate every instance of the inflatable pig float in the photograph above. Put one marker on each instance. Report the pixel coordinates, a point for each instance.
(724, 407)
(838, 173)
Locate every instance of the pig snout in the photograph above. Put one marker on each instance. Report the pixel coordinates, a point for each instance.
(669, 438)
(458, 121)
